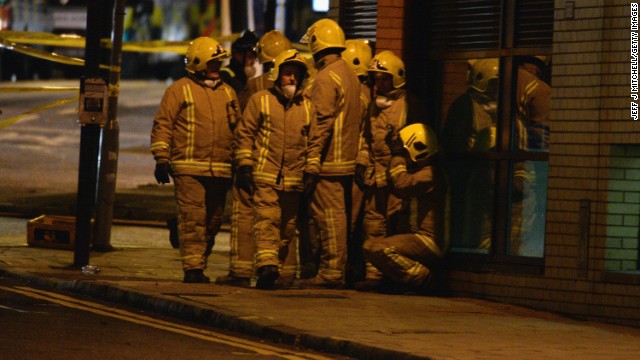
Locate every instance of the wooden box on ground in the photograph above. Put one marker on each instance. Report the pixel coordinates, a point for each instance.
(52, 231)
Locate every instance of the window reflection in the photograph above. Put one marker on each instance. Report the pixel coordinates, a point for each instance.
(470, 124)
(530, 133)
(533, 105)
(470, 127)
(528, 208)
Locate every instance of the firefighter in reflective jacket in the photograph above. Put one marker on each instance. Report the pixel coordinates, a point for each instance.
(415, 173)
(191, 140)
(332, 150)
(243, 58)
(385, 213)
(358, 55)
(269, 46)
(270, 154)
(242, 242)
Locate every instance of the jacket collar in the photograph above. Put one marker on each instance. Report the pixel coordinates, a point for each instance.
(327, 60)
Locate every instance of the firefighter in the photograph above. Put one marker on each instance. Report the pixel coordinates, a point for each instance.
(241, 66)
(269, 46)
(416, 174)
(385, 213)
(270, 153)
(242, 242)
(470, 127)
(241, 238)
(358, 55)
(191, 141)
(332, 150)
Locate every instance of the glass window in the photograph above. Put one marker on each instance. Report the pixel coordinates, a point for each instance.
(528, 208)
(469, 132)
(488, 82)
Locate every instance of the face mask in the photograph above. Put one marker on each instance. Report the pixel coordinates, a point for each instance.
(382, 102)
(250, 71)
(289, 90)
(211, 83)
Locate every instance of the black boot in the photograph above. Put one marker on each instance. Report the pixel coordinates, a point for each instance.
(267, 276)
(195, 276)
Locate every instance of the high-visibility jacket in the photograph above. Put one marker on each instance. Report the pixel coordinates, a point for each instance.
(272, 138)
(534, 109)
(405, 109)
(333, 137)
(193, 128)
(426, 185)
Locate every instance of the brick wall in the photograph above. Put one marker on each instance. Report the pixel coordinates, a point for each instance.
(390, 35)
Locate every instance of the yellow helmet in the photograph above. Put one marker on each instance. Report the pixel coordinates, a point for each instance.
(200, 51)
(388, 62)
(358, 55)
(482, 72)
(419, 140)
(286, 57)
(324, 34)
(271, 44)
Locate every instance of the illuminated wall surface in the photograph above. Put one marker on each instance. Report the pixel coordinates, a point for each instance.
(623, 210)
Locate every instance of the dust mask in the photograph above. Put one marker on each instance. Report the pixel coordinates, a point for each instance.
(383, 102)
(289, 90)
(250, 71)
(210, 83)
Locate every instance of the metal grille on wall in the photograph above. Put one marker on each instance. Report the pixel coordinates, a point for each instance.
(358, 19)
(462, 25)
(534, 25)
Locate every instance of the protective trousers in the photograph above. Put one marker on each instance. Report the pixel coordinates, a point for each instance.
(405, 258)
(355, 255)
(276, 229)
(242, 243)
(201, 201)
(329, 208)
(383, 217)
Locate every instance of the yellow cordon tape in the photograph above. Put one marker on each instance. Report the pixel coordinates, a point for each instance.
(153, 46)
(47, 55)
(9, 121)
(18, 89)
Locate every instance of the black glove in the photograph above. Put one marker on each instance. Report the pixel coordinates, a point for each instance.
(162, 172)
(393, 141)
(310, 181)
(360, 175)
(244, 179)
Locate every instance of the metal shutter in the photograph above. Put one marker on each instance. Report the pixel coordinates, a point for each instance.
(358, 19)
(534, 23)
(459, 25)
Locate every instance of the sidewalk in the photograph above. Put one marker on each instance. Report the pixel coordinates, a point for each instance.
(362, 325)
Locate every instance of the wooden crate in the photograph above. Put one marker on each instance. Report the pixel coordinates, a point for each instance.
(52, 231)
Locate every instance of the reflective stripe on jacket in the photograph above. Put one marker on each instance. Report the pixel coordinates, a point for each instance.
(428, 186)
(333, 137)
(405, 109)
(193, 128)
(272, 138)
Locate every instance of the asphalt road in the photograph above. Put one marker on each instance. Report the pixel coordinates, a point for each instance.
(41, 324)
(39, 154)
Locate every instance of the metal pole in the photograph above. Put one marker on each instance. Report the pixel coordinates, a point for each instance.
(89, 144)
(110, 141)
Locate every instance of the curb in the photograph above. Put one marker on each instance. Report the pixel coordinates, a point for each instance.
(215, 317)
